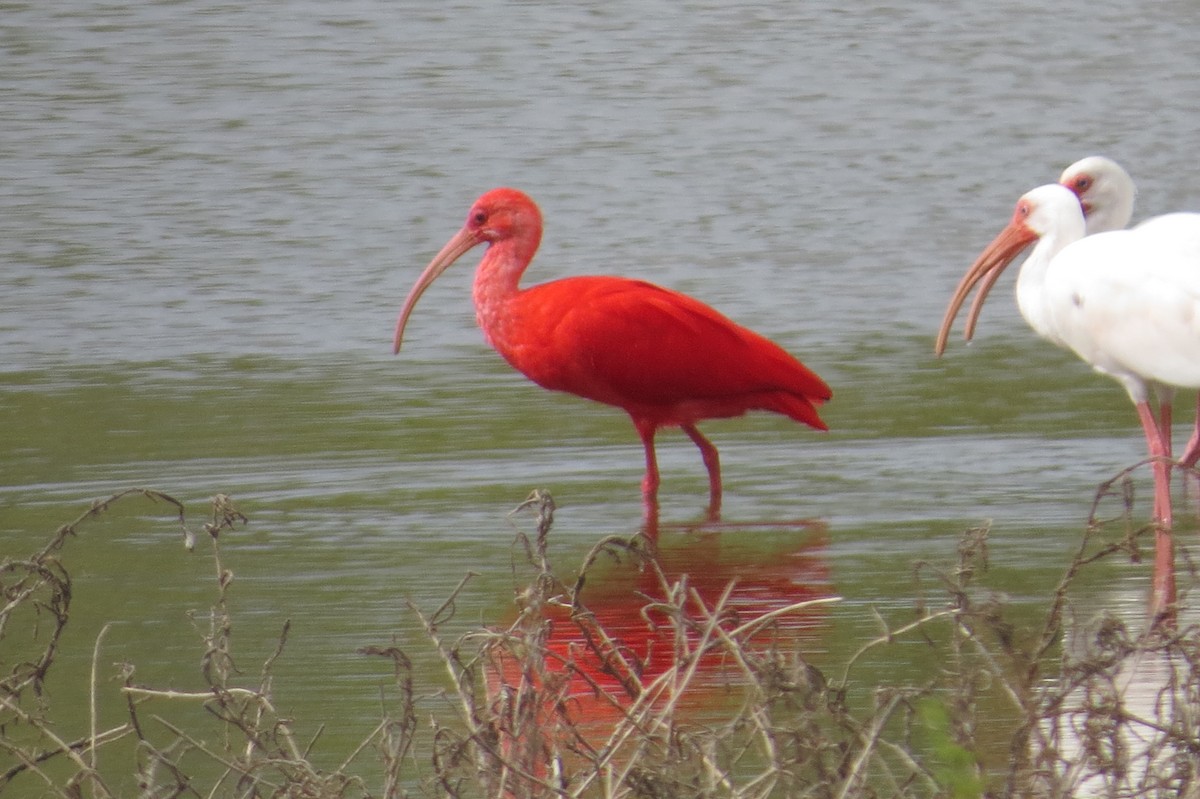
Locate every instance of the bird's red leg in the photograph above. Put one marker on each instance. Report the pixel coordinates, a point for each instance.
(1162, 598)
(650, 482)
(712, 462)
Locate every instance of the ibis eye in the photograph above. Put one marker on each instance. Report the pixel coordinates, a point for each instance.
(479, 217)
(1082, 183)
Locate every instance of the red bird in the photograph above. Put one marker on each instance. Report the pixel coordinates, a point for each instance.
(663, 357)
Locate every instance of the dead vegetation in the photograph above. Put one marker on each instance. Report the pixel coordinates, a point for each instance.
(708, 700)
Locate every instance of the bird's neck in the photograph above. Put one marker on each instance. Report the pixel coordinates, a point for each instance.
(1031, 282)
(496, 288)
(1113, 209)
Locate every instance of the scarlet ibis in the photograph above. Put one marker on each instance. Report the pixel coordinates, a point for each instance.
(1107, 193)
(1126, 302)
(663, 357)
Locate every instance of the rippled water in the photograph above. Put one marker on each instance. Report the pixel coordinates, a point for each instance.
(210, 213)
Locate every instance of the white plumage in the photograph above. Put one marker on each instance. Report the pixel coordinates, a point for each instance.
(1125, 301)
(1107, 194)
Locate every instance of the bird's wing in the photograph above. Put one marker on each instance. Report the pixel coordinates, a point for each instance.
(1129, 303)
(627, 342)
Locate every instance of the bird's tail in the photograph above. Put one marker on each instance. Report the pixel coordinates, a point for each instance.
(795, 406)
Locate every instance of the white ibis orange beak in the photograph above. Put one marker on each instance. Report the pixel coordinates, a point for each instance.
(985, 271)
(463, 240)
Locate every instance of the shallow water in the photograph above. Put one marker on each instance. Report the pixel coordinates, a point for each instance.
(212, 212)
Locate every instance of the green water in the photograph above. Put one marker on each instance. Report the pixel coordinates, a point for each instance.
(211, 213)
(363, 495)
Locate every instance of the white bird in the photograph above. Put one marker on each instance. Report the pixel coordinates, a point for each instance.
(1107, 194)
(1125, 302)
(1105, 191)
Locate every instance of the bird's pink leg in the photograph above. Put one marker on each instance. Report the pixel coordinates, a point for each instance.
(1164, 425)
(1166, 396)
(712, 462)
(1162, 592)
(1191, 453)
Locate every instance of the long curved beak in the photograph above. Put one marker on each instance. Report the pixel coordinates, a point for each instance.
(985, 271)
(463, 240)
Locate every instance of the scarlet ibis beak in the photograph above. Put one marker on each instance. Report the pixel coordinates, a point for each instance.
(463, 240)
(985, 271)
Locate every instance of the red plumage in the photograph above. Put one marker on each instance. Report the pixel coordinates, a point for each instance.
(665, 358)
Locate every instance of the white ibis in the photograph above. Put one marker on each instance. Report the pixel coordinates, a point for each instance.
(1126, 302)
(1107, 193)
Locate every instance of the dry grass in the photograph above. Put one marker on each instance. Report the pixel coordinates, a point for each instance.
(1101, 711)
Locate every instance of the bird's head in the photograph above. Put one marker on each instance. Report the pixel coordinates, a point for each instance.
(1047, 209)
(1105, 191)
(500, 215)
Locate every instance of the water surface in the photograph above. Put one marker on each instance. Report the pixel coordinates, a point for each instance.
(211, 213)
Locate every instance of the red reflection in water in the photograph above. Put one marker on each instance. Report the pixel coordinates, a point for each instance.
(644, 631)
